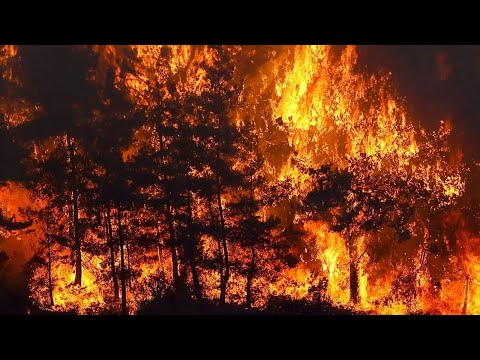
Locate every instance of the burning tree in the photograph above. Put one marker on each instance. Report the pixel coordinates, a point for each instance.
(259, 169)
(60, 84)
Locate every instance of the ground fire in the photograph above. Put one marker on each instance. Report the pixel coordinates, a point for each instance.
(248, 177)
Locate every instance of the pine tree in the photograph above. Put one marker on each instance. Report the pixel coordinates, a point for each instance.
(252, 229)
(218, 137)
(58, 79)
(110, 133)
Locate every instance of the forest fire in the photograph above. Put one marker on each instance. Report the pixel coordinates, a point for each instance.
(238, 175)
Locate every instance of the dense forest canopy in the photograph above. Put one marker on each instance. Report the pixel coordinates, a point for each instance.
(228, 175)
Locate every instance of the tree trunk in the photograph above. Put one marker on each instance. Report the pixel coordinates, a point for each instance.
(196, 282)
(191, 253)
(111, 245)
(173, 247)
(183, 269)
(76, 234)
(161, 275)
(127, 245)
(465, 301)
(219, 242)
(171, 228)
(353, 273)
(250, 275)
(251, 271)
(197, 289)
(122, 264)
(182, 265)
(226, 275)
(50, 287)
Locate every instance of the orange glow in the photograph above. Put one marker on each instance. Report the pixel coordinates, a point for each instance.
(311, 106)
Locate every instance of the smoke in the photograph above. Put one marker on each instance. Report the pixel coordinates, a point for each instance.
(443, 67)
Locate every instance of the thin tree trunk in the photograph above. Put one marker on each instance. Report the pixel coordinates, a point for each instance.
(161, 269)
(219, 242)
(226, 276)
(183, 274)
(76, 234)
(193, 270)
(251, 274)
(191, 252)
(50, 287)
(122, 264)
(182, 265)
(171, 228)
(111, 245)
(173, 247)
(196, 283)
(465, 301)
(127, 245)
(353, 273)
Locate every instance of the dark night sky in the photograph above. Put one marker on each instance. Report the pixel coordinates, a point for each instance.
(438, 81)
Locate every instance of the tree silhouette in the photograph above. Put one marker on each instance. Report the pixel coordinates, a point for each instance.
(356, 203)
(218, 138)
(58, 78)
(251, 230)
